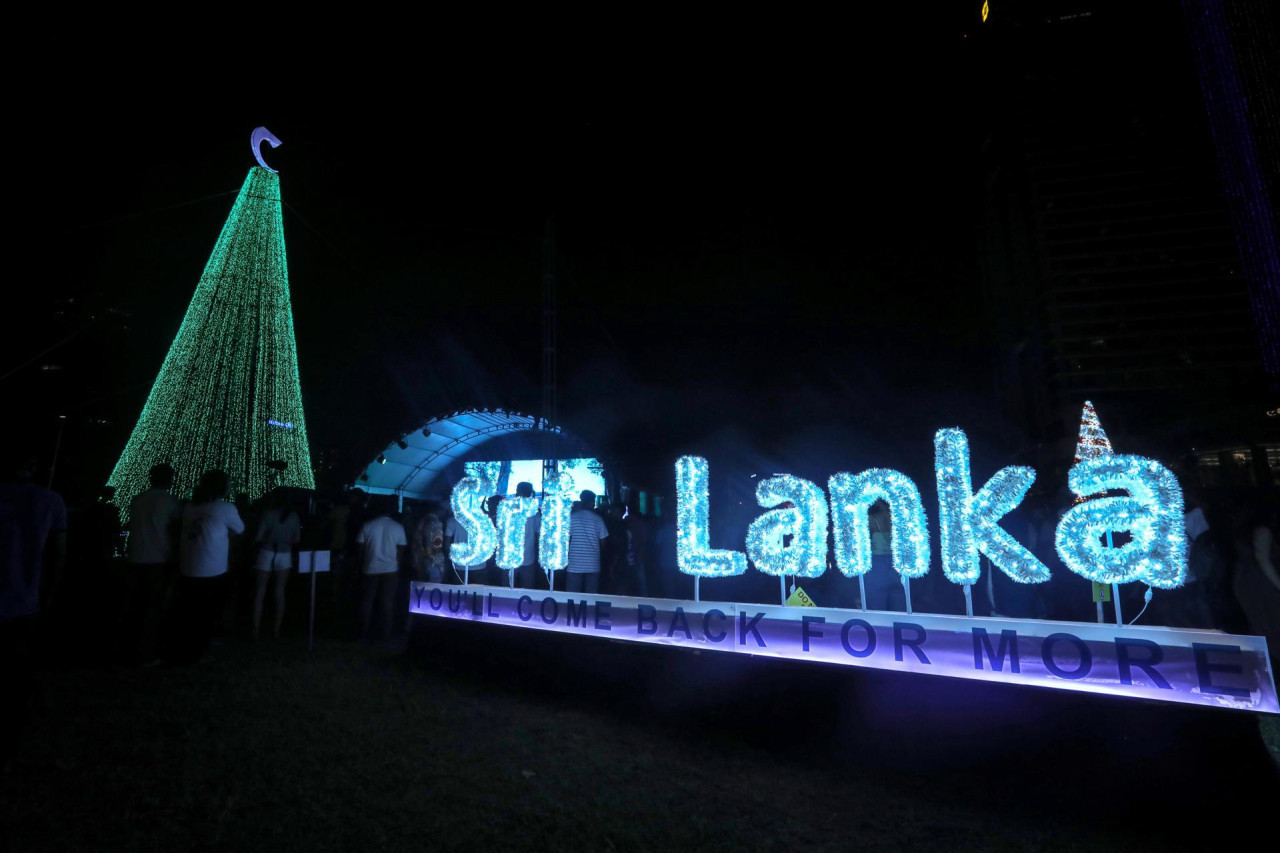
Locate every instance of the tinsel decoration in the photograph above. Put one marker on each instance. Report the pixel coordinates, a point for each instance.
(513, 512)
(802, 516)
(694, 554)
(553, 536)
(1151, 513)
(851, 499)
(968, 522)
(467, 501)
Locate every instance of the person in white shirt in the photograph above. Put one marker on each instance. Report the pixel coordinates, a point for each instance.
(587, 533)
(155, 517)
(278, 531)
(383, 541)
(208, 523)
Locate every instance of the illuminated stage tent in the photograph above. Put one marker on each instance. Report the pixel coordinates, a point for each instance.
(425, 463)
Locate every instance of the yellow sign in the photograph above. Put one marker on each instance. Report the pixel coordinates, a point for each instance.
(800, 598)
(1101, 592)
(986, 10)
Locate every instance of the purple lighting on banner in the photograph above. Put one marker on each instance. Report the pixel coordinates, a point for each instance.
(1166, 664)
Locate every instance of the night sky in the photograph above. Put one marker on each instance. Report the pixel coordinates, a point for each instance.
(778, 246)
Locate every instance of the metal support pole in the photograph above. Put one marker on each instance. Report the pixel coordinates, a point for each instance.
(57, 446)
(311, 617)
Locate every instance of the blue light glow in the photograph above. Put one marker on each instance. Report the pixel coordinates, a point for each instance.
(851, 500)
(805, 521)
(694, 554)
(553, 535)
(467, 502)
(1152, 514)
(488, 472)
(585, 473)
(968, 522)
(513, 512)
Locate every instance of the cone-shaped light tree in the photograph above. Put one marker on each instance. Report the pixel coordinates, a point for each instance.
(1093, 441)
(228, 394)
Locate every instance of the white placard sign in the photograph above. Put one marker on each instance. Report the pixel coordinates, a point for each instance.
(313, 560)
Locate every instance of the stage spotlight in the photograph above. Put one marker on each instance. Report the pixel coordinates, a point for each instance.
(382, 460)
(402, 444)
(426, 432)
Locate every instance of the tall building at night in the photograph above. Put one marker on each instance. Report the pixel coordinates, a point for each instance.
(1112, 261)
(228, 394)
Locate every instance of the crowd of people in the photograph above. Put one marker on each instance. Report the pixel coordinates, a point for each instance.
(185, 570)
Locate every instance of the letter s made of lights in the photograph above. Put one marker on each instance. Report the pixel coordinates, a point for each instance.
(467, 502)
(805, 521)
(1151, 513)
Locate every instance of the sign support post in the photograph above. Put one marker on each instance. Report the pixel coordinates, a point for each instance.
(1115, 589)
(312, 562)
(311, 616)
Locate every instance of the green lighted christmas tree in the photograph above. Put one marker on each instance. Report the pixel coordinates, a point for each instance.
(228, 395)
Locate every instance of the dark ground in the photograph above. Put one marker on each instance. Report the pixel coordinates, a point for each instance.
(482, 738)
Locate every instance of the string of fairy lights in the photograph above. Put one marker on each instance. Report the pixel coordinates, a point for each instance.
(557, 507)
(851, 499)
(228, 395)
(467, 502)
(802, 515)
(694, 554)
(968, 521)
(790, 538)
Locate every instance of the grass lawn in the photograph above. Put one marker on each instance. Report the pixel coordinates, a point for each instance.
(362, 747)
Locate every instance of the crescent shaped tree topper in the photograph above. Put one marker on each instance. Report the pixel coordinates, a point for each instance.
(260, 135)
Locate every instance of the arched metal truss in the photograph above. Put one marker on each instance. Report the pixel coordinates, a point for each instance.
(412, 470)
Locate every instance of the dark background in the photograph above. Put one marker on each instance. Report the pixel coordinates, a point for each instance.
(766, 243)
